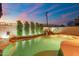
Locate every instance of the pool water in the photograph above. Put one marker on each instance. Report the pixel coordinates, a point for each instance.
(37, 45)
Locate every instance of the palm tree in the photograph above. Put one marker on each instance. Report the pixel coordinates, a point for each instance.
(19, 28)
(37, 28)
(26, 28)
(41, 28)
(32, 28)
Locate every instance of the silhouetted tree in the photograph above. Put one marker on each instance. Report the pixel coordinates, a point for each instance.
(77, 21)
(62, 25)
(71, 23)
(1, 10)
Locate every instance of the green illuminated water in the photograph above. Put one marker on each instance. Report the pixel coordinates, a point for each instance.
(40, 44)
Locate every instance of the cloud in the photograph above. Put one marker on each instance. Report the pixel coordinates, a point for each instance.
(59, 10)
(41, 11)
(68, 14)
(37, 5)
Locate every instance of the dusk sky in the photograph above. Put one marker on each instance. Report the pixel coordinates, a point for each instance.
(57, 13)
